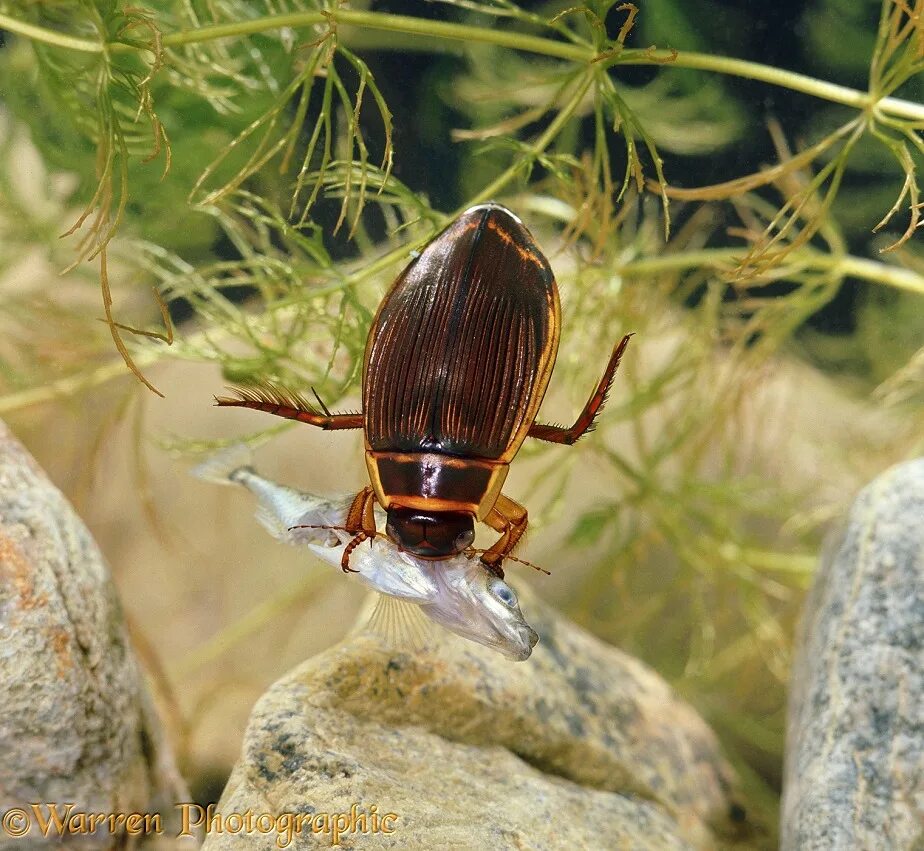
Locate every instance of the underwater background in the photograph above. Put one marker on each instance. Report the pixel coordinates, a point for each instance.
(777, 365)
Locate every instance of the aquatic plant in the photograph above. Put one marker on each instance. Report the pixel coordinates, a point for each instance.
(243, 160)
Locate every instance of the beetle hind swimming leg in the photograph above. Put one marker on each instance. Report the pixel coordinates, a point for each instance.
(288, 404)
(586, 421)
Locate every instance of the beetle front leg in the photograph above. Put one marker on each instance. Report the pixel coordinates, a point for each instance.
(510, 518)
(360, 519)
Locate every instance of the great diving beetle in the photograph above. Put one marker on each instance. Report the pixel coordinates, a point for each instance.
(456, 364)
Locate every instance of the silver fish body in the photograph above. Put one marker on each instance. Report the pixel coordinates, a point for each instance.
(457, 593)
(465, 598)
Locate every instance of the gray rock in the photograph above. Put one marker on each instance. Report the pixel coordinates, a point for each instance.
(76, 723)
(579, 747)
(854, 775)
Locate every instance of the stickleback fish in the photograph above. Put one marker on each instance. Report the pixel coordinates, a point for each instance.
(458, 593)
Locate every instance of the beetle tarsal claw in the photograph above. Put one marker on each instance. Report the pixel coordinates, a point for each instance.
(348, 551)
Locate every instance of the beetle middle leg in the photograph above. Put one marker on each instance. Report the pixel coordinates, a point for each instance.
(510, 518)
(360, 519)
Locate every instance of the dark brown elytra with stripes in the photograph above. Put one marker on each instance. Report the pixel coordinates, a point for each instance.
(457, 363)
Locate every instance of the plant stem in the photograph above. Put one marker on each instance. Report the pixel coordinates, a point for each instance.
(718, 258)
(443, 30)
(48, 36)
(389, 23)
(296, 595)
(74, 384)
(880, 273)
(777, 77)
(546, 139)
(490, 191)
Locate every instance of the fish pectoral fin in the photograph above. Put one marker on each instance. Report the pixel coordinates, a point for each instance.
(400, 624)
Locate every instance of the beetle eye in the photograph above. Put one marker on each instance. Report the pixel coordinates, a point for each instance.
(504, 593)
(464, 540)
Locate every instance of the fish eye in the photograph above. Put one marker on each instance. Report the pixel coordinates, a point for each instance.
(504, 593)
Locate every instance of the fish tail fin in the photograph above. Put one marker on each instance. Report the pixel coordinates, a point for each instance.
(400, 624)
(221, 467)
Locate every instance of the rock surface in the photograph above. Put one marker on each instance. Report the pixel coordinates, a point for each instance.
(76, 723)
(579, 747)
(854, 776)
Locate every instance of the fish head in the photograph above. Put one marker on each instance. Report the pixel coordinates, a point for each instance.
(479, 606)
(459, 592)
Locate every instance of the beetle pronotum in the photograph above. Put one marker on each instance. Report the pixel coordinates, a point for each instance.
(457, 362)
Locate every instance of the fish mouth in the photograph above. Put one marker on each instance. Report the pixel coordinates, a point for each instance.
(519, 650)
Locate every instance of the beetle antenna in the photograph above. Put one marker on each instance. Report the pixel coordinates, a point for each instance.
(336, 529)
(320, 526)
(529, 564)
(520, 560)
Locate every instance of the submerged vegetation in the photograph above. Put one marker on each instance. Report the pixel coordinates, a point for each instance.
(245, 160)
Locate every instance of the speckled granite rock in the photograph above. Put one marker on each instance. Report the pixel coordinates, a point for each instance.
(76, 724)
(854, 774)
(579, 747)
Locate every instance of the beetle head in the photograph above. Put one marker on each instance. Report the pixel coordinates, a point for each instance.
(430, 534)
